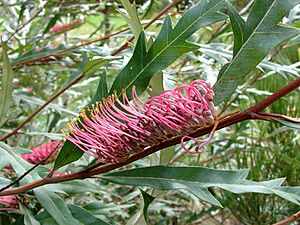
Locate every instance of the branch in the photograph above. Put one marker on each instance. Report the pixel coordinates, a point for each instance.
(76, 80)
(294, 217)
(31, 169)
(250, 113)
(71, 48)
(27, 22)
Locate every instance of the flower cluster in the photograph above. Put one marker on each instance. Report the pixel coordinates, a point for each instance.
(65, 27)
(10, 201)
(114, 129)
(41, 152)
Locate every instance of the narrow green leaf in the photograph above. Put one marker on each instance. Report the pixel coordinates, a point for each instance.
(166, 155)
(4, 181)
(36, 101)
(55, 206)
(193, 179)
(84, 216)
(168, 46)
(22, 10)
(68, 153)
(95, 64)
(132, 18)
(238, 26)
(292, 191)
(197, 180)
(6, 99)
(51, 23)
(48, 199)
(262, 35)
(29, 218)
(33, 54)
(288, 123)
(102, 90)
(148, 199)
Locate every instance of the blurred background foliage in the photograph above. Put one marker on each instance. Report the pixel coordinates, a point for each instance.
(269, 150)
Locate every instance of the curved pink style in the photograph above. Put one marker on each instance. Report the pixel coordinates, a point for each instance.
(114, 129)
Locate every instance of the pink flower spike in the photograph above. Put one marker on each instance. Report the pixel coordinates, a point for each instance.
(117, 128)
(41, 152)
(11, 202)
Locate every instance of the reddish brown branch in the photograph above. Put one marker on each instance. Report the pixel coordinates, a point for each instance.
(294, 217)
(235, 118)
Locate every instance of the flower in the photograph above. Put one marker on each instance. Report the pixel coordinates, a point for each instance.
(114, 129)
(65, 27)
(41, 152)
(10, 201)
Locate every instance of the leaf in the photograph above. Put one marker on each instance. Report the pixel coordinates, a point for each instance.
(29, 218)
(84, 216)
(94, 64)
(168, 46)
(157, 87)
(49, 200)
(238, 27)
(260, 36)
(148, 199)
(197, 180)
(102, 90)
(6, 99)
(102, 208)
(68, 153)
(4, 181)
(37, 101)
(33, 54)
(21, 12)
(156, 84)
(287, 122)
(193, 179)
(51, 23)
(131, 17)
(75, 187)
(55, 206)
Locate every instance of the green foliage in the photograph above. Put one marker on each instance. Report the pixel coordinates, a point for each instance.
(84, 216)
(70, 152)
(54, 205)
(168, 46)
(254, 39)
(197, 47)
(6, 98)
(148, 199)
(197, 180)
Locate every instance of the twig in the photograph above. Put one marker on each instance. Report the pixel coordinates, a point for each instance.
(294, 217)
(124, 46)
(214, 34)
(76, 80)
(26, 23)
(87, 173)
(71, 48)
(31, 169)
